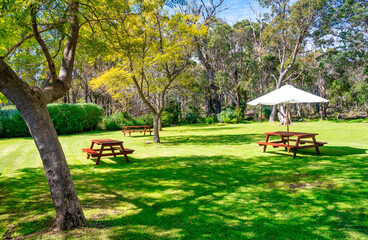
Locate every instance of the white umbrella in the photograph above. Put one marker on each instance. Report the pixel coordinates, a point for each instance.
(287, 94)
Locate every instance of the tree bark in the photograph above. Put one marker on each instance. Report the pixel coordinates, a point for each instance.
(31, 104)
(156, 128)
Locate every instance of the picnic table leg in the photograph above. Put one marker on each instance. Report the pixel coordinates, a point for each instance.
(144, 131)
(283, 141)
(149, 129)
(265, 146)
(99, 157)
(113, 151)
(91, 147)
(125, 155)
(316, 145)
(296, 147)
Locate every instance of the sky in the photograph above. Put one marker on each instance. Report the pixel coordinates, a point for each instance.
(239, 10)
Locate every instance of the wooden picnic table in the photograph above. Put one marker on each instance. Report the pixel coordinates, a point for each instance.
(300, 141)
(142, 128)
(108, 147)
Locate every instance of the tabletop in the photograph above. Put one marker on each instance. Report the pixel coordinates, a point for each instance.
(106, 141)
(291, 134)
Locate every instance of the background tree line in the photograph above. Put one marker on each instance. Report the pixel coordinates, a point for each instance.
(318, 46)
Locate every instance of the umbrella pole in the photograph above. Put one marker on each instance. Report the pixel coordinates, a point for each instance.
(287, 123)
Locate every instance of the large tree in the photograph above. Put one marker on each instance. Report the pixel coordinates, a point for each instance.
(47, 23)
(286, 34)
(150, 49)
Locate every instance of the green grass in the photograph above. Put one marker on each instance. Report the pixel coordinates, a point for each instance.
(202, 182)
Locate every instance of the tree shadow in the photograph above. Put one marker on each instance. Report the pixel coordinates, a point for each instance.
(329, 151)
(217, 197)
(235, 139)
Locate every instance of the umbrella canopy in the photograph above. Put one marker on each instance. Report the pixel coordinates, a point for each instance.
(287, 94)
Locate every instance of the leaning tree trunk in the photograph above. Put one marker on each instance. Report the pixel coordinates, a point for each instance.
(68, 210)
(31, 103)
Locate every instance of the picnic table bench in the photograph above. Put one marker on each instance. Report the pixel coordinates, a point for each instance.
(143, 128)
(112, 147)
(299, 141)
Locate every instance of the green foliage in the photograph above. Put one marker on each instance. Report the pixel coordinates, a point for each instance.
(12, 124)
(74, 118)
(227, 116)
(210, 120)
(67, 119)
(117, 121)
(191, 117)
(146, 119)
(167, 118)
(174, 108)
(266, 111)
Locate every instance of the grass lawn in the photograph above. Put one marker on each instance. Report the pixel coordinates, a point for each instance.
(202, 182)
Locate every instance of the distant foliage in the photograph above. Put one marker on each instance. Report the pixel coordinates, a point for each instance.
(191, 117)
(167, 118)
(117, 121)
(227, 116)
(67, 119)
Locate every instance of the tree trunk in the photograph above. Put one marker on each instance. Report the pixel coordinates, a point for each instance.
(260, 113)
(68, 210)
(156, 128)
(31, 103)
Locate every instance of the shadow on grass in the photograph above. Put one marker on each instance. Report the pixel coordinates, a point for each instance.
(220, 197)
(329, 151)
(235, 139)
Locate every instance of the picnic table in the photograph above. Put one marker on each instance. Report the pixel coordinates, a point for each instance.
(142, 128)
(108, 147)
(300, 141)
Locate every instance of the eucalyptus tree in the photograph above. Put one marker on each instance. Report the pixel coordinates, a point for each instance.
(43, 27)
(287, 32)
(207, 11)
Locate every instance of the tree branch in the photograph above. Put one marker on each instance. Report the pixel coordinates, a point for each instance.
(37, 36)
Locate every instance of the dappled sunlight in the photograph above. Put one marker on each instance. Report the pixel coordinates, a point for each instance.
(235, 194)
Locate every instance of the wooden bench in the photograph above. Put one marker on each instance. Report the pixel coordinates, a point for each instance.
(91, 152)
(143, 128)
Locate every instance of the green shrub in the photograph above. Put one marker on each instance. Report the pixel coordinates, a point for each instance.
(266, 112)
(209, 120)
(167, 119)
(191, 117)
(67, 119)
(12, 124)
(227, 116)
(146, 119)
(74, 118)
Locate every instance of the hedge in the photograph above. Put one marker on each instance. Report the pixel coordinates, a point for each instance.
(67, 119)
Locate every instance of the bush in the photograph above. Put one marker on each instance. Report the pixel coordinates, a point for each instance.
(209, 120)
(227, 116)
(167, 119)
(67, 119)
(12, 124)
(74, 118)
(191, 117)
(266, 112)
(146, 119)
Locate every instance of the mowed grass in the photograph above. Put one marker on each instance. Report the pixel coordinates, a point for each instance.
(202, 182)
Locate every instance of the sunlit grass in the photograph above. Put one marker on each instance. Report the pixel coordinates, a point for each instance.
(202, 182)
